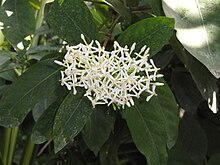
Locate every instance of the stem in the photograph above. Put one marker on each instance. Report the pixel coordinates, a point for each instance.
(10, 139)
(109, 34)
(14, 133)
(95, 1)
(27, 154)
(40, 17)
(44, 147)
(28, 151)
(6, 146)
(139, 9)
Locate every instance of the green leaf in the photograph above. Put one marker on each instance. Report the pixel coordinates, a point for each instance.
(17, 23)
(73, 158)
(193, 138)
(210, 123)
(214, 160)
(154, 125)
(43, 129)
(163, 58)
(4, 57)
(41, 106)
(120, 8)
(178, 155)
(153, 32)
(185, 90)
(205, 81)
(109, 152)
(197, 25)
(148, 131)
(70, 119)
(98, 128)
(35, 84)
(156, 6)
(168, 106)
(71, 19)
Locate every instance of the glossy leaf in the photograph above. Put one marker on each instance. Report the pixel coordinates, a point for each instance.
(153, 125)
(43, 129)
(109, 152)
(211, 125)
(71, 19)
(35, 84)
(40, 107)
(17, 23)
(163, 58)
(70, 119)
(98, 128)
(120, 8)
(168, 107)
(185, 90)
(148, 131)
(153, 32)
(197, 25)
(193, 138)
(178, 155)
(205, 81)
(156, 6)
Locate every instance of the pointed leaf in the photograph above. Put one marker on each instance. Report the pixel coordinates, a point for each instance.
(120, 8)
(71, 19)
(27, 90)
(43, 129)
(193, 138)
(98, 128)
(148, 132)
(70, 119)
(169, 110)
(178, 155)
(17, 24)
(153, 32)
(154, 124)
(197, 25)
(205, 81)
(185, 90)
(156, 6)
(109, 152)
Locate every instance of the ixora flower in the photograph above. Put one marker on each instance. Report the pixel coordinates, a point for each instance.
(109, 77)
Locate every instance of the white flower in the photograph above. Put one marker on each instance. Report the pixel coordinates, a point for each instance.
(109, 77)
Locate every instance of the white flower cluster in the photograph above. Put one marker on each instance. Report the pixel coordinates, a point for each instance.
(109, 77)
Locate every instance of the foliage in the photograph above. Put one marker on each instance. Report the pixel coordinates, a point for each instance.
(44, 123)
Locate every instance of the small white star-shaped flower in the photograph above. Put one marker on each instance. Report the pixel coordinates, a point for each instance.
(109, 77)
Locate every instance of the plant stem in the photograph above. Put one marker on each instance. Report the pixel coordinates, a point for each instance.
(27, 154)
(95, 1)
(109, 34)
(7, 133)
(40, 17)
(14, 133)
(28, 151)
(10, 139)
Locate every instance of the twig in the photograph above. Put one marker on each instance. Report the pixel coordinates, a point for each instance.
(43, 148)
(109, 33)
(139, 9)
(95, 1)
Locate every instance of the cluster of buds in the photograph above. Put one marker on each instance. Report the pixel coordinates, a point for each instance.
(109, 77)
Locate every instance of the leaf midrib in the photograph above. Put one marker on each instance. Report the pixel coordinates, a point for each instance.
(29, 91)
(145, 125)
(74, 110)
(204, 28)
(74, 22)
